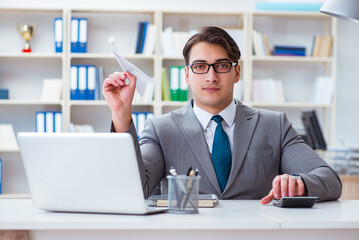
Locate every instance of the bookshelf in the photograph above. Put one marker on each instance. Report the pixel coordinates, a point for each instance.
(122, 24)
(291, 28)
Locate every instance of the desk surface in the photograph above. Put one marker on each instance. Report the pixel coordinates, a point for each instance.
(234, 215)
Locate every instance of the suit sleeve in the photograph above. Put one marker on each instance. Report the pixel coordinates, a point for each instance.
(149, 157)
(298, 158)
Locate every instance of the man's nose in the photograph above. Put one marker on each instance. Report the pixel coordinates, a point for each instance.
(211, 75)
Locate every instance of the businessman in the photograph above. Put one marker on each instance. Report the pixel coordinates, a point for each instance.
(241, 152)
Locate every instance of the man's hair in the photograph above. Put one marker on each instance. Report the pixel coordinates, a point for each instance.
(213, 35)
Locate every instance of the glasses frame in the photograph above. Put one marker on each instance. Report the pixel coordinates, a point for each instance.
(209, 66)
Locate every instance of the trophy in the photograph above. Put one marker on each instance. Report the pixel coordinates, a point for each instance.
(27, 32)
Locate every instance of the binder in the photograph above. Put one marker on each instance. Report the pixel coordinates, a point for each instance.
(49, 122)
(40, 122)
(174, 83)
(183, 93)
(143, 36)
(58, 121)
(74, 83)
(82, 83)
(82, 35)
(74, 35)
(139, 37)
(91, 82)
(58, 34)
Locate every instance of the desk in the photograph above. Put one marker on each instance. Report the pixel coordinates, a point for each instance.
(234, 219)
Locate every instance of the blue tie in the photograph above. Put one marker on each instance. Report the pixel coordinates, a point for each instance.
(221, 153)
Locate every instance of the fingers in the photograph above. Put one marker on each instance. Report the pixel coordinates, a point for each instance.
(119, 79)
(267, 199)
(286, 185)
(132, 79)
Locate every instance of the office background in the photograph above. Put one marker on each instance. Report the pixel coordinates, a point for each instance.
(347, 114)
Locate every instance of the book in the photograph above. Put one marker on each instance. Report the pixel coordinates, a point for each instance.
(204, 200)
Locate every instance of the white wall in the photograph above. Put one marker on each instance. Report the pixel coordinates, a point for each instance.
(348, 48)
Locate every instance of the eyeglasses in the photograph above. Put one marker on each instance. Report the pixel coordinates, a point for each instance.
(220, 67)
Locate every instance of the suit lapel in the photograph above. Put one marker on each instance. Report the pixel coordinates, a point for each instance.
(192, 131)
(245, 124)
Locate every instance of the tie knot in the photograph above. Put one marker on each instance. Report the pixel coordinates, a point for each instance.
(217, 118)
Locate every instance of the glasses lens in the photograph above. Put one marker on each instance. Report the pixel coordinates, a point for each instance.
(200, 67)
(222, 67)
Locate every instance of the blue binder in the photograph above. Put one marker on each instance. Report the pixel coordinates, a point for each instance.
(74, 34)
(40, 122)
(58, 34)
(82, 35)
(74, 81)
(139, 37)
(143, 37)
(82, 82)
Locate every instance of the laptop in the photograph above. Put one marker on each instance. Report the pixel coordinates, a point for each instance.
(83, 172)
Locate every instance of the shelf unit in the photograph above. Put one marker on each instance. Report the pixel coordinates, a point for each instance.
(121, 24)
(292, 28)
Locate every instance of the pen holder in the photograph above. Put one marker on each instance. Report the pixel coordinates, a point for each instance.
(183, 194)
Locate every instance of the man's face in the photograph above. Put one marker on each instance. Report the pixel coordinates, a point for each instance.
(212, 91)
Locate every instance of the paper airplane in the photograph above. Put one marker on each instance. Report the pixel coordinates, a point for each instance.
(142, 78)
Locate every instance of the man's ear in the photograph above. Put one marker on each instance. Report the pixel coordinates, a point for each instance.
(238, 73)
(186, 71)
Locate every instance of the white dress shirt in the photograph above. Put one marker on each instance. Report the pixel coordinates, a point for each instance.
(209, 126)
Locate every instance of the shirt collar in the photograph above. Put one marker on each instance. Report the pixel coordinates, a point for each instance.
(228, 114)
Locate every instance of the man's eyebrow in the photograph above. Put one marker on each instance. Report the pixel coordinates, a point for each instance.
(218, 60)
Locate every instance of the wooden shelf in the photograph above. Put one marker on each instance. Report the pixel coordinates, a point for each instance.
(291, 59)
(29, 102)
(109, 56)
(15, 196)
(31, 55)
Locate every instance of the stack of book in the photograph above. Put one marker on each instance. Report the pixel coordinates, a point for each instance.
(174, 41)
(322, 46)
(260, 44)
(323, 88)
(84, 128)
(280, 50)
(267, 90)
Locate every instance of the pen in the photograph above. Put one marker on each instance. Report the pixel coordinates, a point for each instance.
(189, 171)
(173, 172)
(188, 194)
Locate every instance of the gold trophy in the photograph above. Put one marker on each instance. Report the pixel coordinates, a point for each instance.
(27, 32)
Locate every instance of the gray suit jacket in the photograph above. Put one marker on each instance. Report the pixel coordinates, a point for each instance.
(265, 145)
